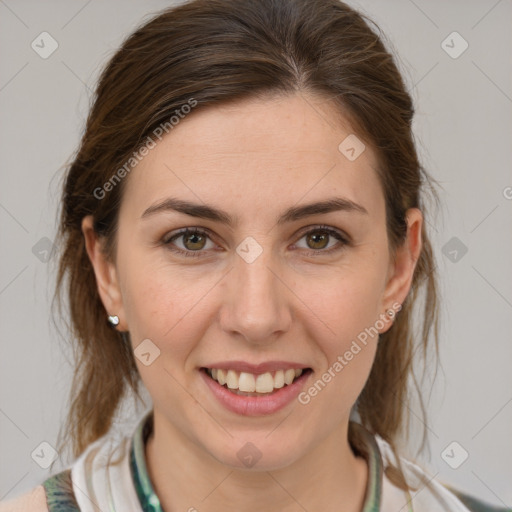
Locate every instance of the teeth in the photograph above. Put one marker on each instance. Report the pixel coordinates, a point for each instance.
(264, 383)
(221, 376)
(247, 382)
(232, 379)
(250, 383)
(279, 379)
(289, 375)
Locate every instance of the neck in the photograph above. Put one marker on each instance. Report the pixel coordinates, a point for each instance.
(185, 477)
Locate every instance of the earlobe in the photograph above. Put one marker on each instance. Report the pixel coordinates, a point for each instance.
(406, 257)
(105, 272)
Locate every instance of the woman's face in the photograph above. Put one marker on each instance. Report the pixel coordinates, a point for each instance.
(269, 280)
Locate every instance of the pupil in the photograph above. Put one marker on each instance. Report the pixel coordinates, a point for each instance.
(194, 236)
(322, 237)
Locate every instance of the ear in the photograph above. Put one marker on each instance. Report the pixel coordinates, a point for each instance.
(106, 273)
(401, 268)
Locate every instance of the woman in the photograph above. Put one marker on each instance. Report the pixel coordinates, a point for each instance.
(243, 231)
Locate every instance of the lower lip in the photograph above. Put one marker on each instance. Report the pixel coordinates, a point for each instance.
(256, 405)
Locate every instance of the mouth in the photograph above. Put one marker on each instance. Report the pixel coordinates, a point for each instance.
(245, 384)
(256, 385)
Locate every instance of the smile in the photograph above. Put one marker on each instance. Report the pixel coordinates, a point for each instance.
(249, 384)
(251, 394)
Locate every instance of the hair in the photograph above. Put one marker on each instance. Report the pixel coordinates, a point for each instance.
(215, 52)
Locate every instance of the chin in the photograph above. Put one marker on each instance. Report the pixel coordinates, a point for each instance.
(257, 453)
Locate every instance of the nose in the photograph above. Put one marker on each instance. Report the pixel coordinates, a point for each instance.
(257, 305)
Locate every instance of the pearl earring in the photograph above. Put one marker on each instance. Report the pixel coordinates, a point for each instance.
(113, 320)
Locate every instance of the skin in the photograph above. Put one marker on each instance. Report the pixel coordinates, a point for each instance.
(254, 159)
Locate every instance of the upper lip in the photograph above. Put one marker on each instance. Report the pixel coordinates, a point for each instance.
(256, 369)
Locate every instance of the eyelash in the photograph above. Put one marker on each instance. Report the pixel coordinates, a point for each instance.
(167, 241)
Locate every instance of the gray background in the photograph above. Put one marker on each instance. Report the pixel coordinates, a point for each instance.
(463, 126)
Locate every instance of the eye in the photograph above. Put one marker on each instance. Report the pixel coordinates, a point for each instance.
(195, 241)
(318, 239)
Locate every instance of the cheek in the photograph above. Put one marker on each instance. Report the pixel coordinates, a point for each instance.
(348, 345)
(348, 305)
(349, 302)
(159, 310)
(351, 349)
(162, 305)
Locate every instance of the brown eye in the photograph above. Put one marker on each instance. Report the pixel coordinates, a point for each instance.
(193, 242)
(318, 239)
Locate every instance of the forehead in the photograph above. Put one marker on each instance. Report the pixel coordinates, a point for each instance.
(245, 153)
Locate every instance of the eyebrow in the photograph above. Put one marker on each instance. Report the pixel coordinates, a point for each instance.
(204, 211)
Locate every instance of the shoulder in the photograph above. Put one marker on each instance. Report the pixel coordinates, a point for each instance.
(60, 495)
(475, 504)
(431, 493)
(32, 501)
(55, 494)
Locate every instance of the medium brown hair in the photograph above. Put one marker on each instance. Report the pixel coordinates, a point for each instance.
(218, 51)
